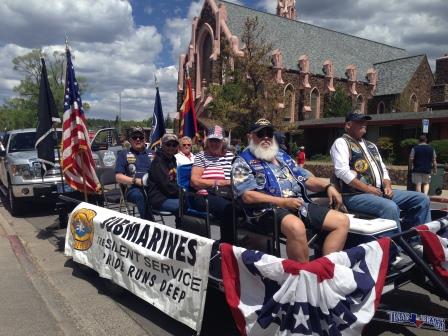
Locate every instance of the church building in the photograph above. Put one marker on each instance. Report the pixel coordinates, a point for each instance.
(309, 63)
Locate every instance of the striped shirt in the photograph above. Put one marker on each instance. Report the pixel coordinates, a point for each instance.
(215, 167)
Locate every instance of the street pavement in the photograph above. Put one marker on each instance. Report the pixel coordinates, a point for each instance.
(45, 293)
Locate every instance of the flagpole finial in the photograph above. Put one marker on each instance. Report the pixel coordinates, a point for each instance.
(66, 41)
(156, 81)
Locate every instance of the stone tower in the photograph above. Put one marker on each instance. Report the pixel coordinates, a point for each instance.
(287, 9)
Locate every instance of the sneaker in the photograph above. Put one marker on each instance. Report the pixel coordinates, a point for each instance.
(400, 262)
(419, 249)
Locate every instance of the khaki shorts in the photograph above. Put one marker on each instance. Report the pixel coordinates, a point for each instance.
(421, 178)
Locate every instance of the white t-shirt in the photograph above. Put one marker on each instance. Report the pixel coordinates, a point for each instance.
(182, 159)
(340, 154)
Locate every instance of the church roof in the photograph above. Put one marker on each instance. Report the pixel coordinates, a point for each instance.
(296, 38)
(394, 75)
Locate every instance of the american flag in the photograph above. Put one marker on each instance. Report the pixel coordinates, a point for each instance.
(333, 295)
(434, 236)
(77, 162)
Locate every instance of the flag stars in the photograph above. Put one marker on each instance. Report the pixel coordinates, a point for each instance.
(301, 319)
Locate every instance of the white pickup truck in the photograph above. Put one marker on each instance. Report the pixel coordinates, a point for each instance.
(20, 171)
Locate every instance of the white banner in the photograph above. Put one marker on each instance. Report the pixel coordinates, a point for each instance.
(167, 268)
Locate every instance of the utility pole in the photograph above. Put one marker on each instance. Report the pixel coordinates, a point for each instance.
(119, 113)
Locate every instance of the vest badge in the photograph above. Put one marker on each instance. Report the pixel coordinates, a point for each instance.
(361, 165)
(130, 158)
(81, 227)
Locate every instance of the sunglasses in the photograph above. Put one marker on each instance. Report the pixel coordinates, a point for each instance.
(138, 137)
(265, 132)
(171, 144)
(186, 145)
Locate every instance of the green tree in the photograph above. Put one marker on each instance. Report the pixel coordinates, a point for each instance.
(248, 89)
(21, 111)
(337, 104)
(169, 123)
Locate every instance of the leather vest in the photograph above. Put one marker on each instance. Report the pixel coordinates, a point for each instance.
(264, 173)
(361, 165)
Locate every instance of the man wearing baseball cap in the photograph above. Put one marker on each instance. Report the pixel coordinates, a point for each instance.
(364, 180)
(265, 174)
(163, 192)
(130, 167)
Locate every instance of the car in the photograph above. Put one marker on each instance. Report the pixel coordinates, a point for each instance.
(20, 170)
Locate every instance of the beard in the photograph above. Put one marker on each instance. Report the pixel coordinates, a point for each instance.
(262, 153)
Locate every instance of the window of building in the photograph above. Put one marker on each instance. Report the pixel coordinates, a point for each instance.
(290, 104)
(381, 108)
(315, 103)
(360, 103)
(414, 103)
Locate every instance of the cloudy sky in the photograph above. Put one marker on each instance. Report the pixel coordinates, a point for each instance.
(120, 45)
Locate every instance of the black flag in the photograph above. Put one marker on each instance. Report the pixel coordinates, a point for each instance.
(47, 114)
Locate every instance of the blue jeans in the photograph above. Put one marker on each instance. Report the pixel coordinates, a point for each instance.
(415, 207)
(171, 205)
(136, 195)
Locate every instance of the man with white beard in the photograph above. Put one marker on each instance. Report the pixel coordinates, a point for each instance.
(264, 174)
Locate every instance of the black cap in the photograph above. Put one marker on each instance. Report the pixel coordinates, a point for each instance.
(260, 124)
(357, 116)
(135, 130)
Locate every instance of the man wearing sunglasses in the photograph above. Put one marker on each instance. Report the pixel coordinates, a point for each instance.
(265, 174)
(163, 192)
(185, 156)
(131, 165)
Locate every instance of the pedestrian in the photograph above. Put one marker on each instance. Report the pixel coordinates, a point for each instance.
(301, 157)
(422, 161)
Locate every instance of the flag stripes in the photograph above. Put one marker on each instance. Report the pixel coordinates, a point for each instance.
(77, 161)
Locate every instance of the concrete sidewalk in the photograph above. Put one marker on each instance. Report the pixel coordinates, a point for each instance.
(22, 309)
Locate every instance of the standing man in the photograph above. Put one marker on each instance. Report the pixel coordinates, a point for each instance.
(265, 174)
(365, 183)
(185, 156)
(421, 160)
(131, 165)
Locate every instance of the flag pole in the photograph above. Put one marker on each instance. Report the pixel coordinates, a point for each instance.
(84, 177)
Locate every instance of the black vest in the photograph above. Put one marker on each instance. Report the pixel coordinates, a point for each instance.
(360, 164)
(423, 157)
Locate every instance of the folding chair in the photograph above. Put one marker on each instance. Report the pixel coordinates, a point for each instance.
(110, 191)
(128, 206)
(185, 195)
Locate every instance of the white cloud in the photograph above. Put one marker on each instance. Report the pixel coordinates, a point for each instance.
(268, 6)
(148, 10)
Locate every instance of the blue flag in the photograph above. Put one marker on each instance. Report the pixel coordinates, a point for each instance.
(158, 123)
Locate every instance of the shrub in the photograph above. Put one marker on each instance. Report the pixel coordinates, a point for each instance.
(386, 147)
(441, 148)
(409, 142)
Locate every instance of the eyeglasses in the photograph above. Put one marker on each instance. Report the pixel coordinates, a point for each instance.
(186, 145)
(138, 137)
(171, 144)
(265, 132)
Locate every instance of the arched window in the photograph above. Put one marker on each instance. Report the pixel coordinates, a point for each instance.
(204, 49)
(289, 103)
(315, 103)
(360, 103)
(381, 108)
(413, 103)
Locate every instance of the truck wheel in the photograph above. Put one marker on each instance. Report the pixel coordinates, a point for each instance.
(14, 203)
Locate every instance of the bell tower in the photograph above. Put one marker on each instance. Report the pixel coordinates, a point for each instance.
(287, 9)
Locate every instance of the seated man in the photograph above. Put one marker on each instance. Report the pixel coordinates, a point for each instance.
(264, 174)
(163, 192)
(130, 167)
(365, 182)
